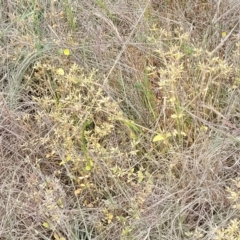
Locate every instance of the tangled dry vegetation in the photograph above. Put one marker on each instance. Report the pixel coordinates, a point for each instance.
(120, 119)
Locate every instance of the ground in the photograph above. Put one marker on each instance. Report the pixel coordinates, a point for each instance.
(120, 119)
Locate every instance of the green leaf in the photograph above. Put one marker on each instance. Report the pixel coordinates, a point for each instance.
(60, 71)
(60, 203)
(46, 225)
(88, 168)
(159, 137)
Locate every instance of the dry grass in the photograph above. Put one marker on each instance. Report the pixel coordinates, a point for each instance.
(119, 119)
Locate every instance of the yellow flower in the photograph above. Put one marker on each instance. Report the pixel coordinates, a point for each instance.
(179, 115)
(66, 52)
